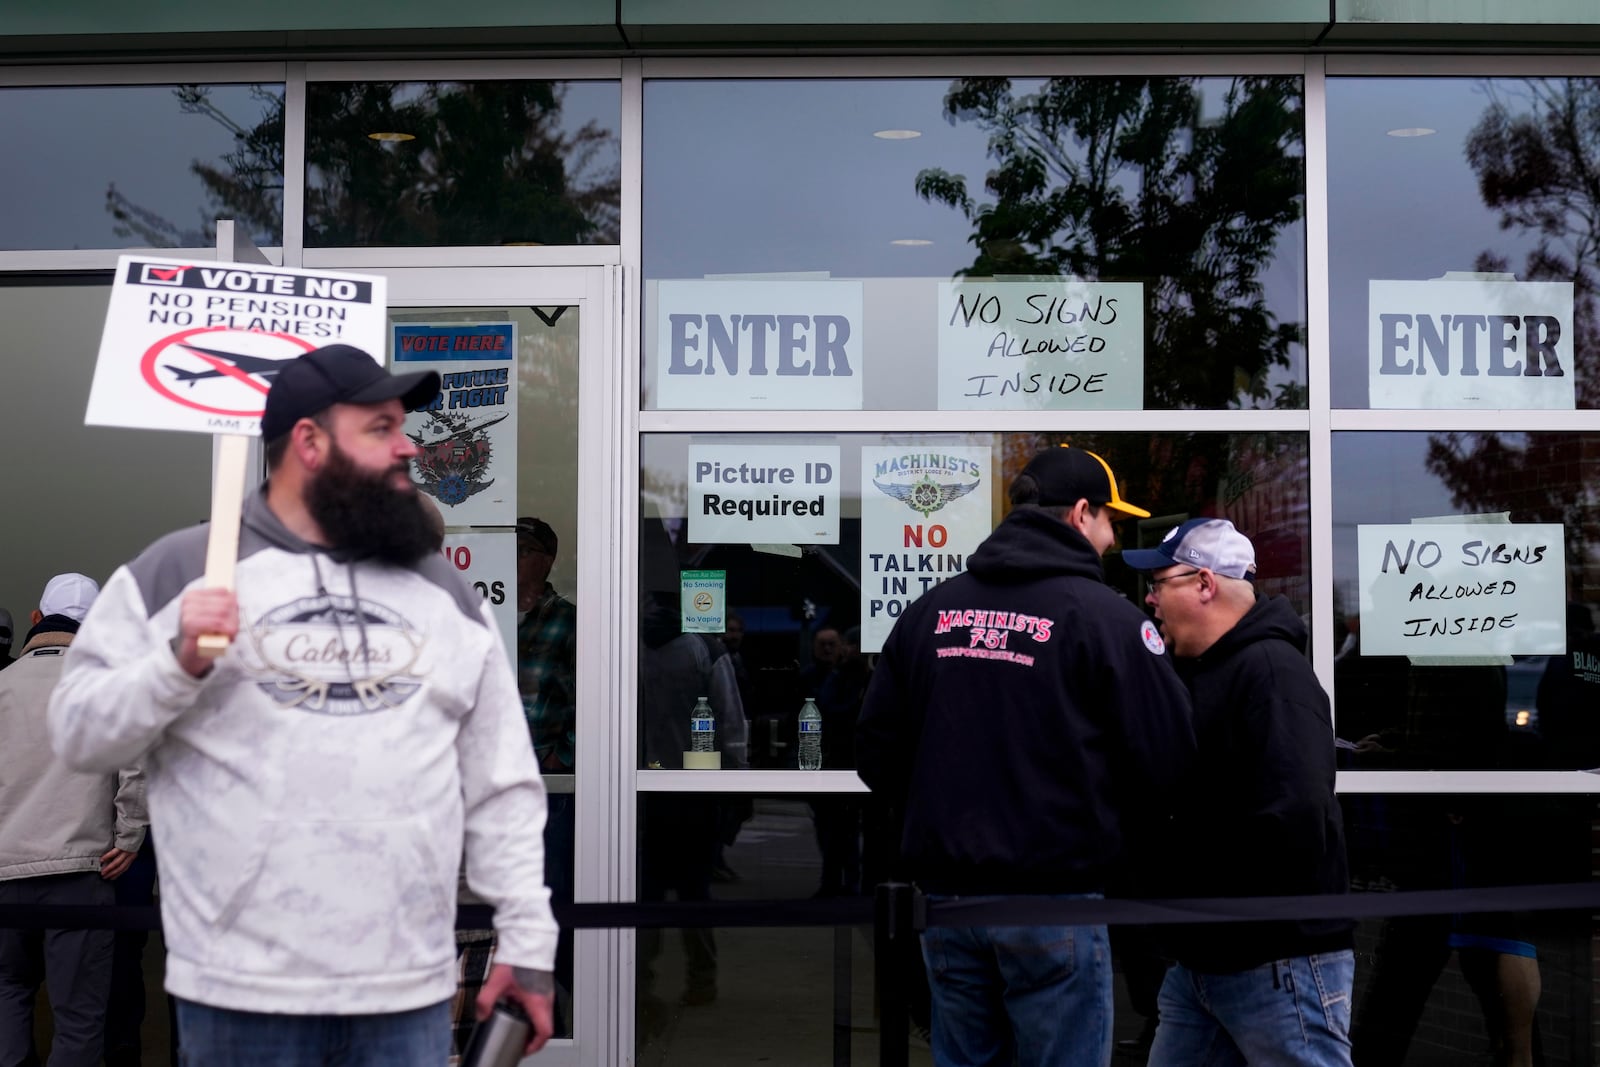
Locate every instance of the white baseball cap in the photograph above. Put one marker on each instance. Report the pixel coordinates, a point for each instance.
(69, 594)
(1210, 543)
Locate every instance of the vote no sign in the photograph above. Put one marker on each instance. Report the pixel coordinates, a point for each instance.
(195, 346)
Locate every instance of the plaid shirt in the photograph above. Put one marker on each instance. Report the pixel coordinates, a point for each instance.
(547, 660)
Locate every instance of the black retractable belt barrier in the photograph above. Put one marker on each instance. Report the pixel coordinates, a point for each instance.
(962, 911)
(898, 912)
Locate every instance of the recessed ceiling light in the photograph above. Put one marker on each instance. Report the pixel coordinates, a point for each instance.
(385, 135)
(897, 135)
(910, 242)
(1413, 131)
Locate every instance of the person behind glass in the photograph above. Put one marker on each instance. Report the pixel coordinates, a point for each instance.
(314, 785)
(1260, 818)
(837, 818)
(65, 836)
(6, 632)
(1024, 719)
(827, 645)
(679, 832)
(547, 649)
(547, 669)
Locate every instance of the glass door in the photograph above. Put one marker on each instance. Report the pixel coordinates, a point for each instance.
(509, 454)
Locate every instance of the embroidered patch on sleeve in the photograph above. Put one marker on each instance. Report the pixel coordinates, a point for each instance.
(1152, 637)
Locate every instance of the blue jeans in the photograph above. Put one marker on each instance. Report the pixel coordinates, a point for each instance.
(1035, 996)
(1293, 1011)
(219, 1037)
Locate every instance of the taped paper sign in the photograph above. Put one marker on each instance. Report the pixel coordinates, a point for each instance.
(759, 344)
(758, 494)
(1050, 344)
(1460, 343)
(1462, 589)
(195, 346)
(488, 563)
(705, 601)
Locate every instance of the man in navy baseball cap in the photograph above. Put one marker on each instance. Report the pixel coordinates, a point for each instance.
(338, 374)
(1210, 543)
(1261, 817)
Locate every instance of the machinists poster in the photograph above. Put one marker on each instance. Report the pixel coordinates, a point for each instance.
(468, 439)
(923, 511)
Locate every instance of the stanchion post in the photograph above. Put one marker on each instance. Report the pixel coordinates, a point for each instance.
(894, 930)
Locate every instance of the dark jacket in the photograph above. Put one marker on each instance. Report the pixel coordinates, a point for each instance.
(1022, 717)
(1261, 819)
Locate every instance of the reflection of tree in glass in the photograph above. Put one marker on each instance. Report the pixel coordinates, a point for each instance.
(1123, 179)
(1538, 164)
(246, 184)
(1536, 153)
(487, 163)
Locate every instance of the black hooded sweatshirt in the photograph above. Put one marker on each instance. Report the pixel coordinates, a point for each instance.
(1261, 818)
(1023, 718)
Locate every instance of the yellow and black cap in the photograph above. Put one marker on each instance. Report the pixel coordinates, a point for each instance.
(1067, 475)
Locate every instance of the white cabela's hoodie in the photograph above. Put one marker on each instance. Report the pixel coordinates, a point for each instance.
(312, 794)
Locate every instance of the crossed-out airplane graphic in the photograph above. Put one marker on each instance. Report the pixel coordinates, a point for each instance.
(260, 366)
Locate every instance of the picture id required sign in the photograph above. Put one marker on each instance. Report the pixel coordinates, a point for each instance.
(1468, 589)
(195, 346)
(755, 494)
(1051, 344)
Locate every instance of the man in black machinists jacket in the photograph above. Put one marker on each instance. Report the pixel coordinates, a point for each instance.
(1025, 720)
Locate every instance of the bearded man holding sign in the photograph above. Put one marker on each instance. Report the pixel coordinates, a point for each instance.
(314, 785)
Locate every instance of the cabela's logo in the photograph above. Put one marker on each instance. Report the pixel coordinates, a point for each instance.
(334, 655)
(454, 452)
(926, 481)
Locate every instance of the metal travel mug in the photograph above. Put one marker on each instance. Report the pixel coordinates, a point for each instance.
(498, 1041)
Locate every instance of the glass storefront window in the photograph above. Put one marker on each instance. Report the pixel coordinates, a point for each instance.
(87, 498)
(978, 243)
(1464, 599)
(700, 989)
(140, 166)
(1463, 237)
(759, 612)
(1486, 984)
(462, 163)
(499, 460)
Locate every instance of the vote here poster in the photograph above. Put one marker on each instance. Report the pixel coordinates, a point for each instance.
(467, 439)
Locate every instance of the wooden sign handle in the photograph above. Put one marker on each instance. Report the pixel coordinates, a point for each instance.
(222, 546)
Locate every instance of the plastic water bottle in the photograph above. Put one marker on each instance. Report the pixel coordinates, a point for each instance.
(702, 728)
(810, 736)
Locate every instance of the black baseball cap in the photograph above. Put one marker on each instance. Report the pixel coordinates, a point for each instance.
(338, 374)
(539, 532)
(1067, 475)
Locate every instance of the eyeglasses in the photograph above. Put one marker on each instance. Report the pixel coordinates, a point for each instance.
(1156, 583)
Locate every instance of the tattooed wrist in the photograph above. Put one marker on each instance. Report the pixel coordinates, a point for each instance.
(532, 981)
